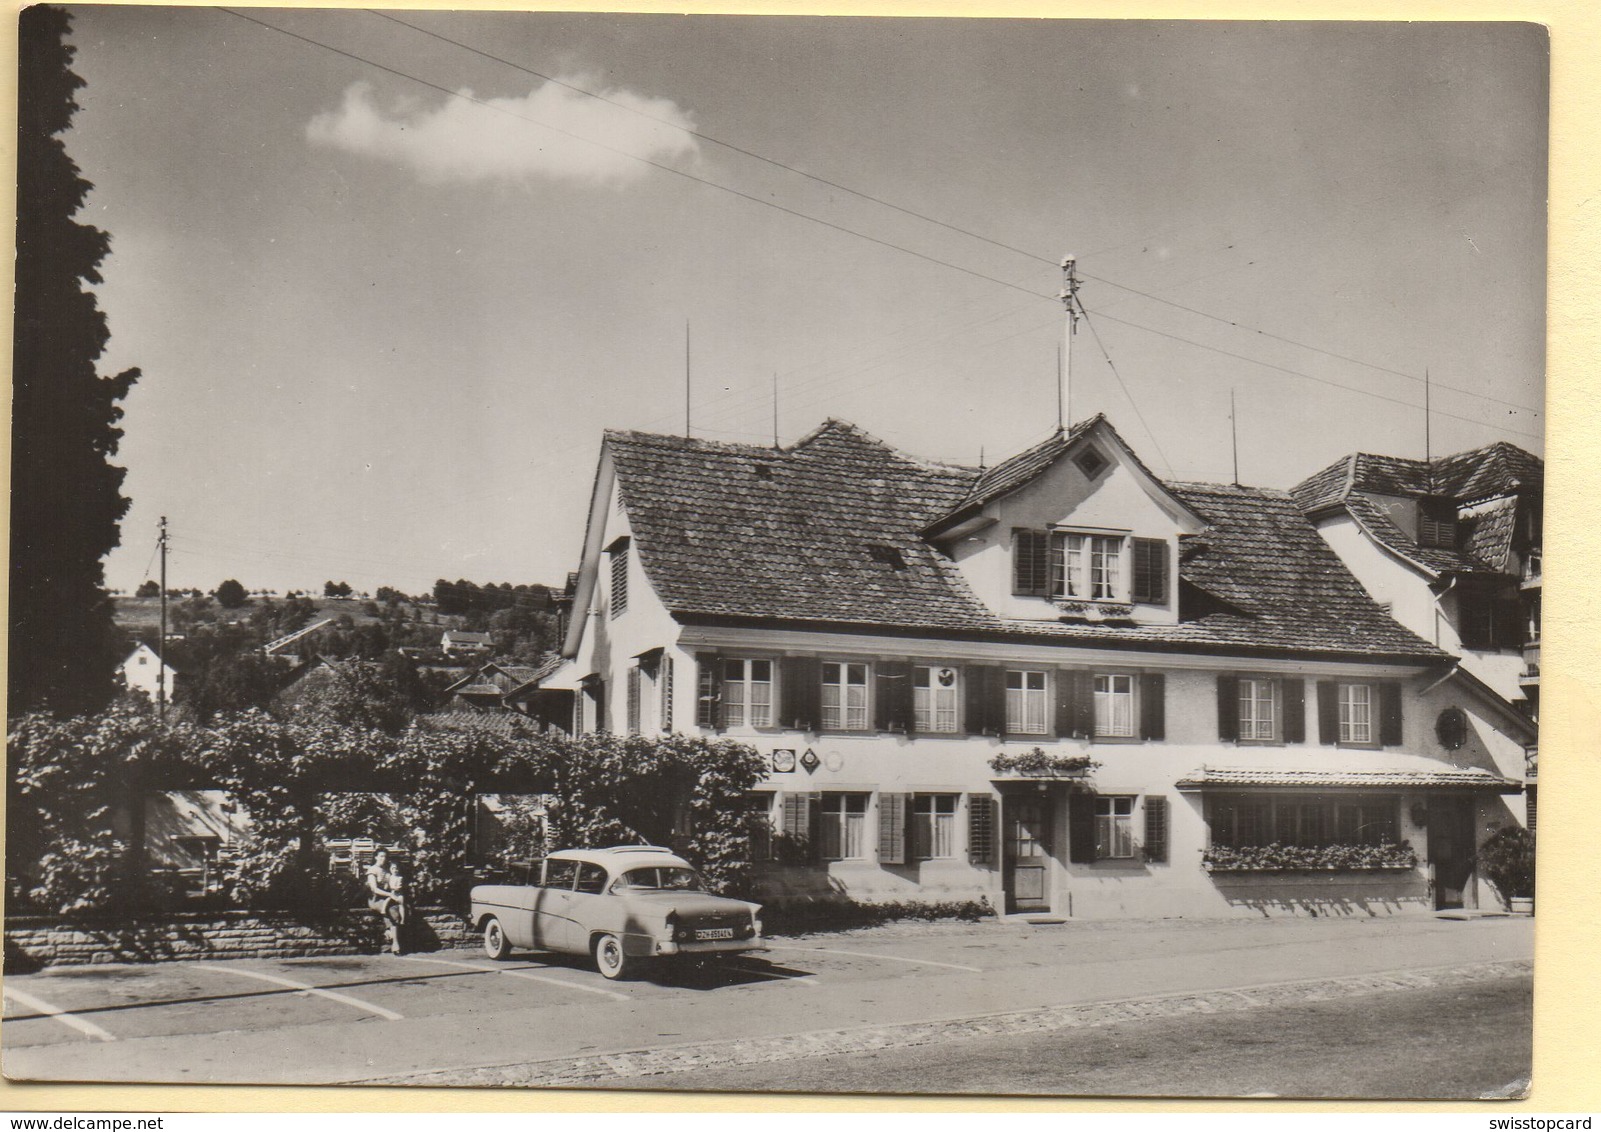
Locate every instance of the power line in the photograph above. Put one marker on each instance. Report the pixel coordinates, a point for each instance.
(1303, 345)
(1310, 377)
(715, 141)
(634, 156)
(1133, 404)
(862, 235)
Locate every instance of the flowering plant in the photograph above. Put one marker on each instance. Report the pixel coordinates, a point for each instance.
(1035, 763)
(1289, 858)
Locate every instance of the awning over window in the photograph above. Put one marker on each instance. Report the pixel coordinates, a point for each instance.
(1378, 778)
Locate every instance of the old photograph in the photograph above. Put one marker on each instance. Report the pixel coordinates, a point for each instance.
(775, 554)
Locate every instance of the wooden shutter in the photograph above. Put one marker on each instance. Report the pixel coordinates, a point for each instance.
(1293, 695)
(709, 692)
(892, 829)
(973, 714)
(1328, 712)
(664, 679)
(995, 701)
(1029, 562)
(1390, 715)
(1066, 690)
(981, 828)
(892, 709)
(1081, 828)
(1150, 571)
(797, 823)
(1228, 708)
(1153, 705)
(1156, 829)
(800, 692)
(634, 678)
(1084, 705)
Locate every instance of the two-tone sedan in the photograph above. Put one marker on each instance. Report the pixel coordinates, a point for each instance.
(623, 906)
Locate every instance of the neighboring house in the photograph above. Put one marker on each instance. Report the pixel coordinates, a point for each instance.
(456, 642)
(1453, 547)
(145, 671)
(882, 627)
(514, 688)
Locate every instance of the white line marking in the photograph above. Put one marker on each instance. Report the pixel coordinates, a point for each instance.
(877, 955)
(42, 1007)
(305, 988)
(516, 973)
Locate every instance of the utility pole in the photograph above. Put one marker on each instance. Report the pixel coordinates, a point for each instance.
(1069, 297)
(161, 645)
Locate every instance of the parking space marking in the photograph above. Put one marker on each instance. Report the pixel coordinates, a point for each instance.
(305, 988)
(877, 955)
(40, 1006)
(516, 973)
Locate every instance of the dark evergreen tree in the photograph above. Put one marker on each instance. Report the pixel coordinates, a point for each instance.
(66, 499)
(231, 595)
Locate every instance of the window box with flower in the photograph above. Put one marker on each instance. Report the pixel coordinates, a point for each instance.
(1036, 763)
(1277, 858)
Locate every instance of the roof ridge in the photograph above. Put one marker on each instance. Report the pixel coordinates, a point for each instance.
(1207, 485)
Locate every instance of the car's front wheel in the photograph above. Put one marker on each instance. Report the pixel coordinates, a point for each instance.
(610, 958)
(496, 945)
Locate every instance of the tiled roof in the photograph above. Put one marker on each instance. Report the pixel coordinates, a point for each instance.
(1018, 470)
(1383, 530)
(1490, 472)
(1467, 477)
(1489, 534)
(827, 533)
(530, 677)
(1439, 777)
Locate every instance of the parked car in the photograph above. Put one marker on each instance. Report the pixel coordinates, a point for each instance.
(623, 906)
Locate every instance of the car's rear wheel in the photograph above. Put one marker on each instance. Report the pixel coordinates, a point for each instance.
(610, 958)
(496, 945)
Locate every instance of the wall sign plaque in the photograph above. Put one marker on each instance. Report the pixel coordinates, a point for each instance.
(784, 759)
(810, 760)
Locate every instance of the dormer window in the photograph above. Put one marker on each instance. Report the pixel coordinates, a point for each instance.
(1085, 566)
(1437, 523)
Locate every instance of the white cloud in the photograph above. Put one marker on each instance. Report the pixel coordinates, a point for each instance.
(496, 139)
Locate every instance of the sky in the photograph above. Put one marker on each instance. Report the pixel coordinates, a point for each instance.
(387, 290)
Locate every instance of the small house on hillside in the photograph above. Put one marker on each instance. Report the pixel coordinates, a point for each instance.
(459, 642)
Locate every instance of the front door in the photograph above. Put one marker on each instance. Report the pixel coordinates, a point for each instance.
(1451, 852)
(1028, 853)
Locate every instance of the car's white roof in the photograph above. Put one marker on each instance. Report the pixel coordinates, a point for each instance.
(622, 856)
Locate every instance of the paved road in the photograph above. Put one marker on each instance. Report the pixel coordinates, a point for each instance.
(458, 1017)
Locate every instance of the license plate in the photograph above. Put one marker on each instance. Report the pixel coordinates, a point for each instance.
(714, 933)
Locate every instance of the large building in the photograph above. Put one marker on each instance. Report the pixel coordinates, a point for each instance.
(1060, 684)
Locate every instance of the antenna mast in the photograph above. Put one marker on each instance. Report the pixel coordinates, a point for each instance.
(1234, 437)
(1428, 441)
(686, 379)
(775, 410)
(1069, 297)
(161, 645)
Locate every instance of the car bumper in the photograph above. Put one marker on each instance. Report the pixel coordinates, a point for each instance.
(708, 946)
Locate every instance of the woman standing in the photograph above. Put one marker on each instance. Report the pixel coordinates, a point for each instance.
(384, 896)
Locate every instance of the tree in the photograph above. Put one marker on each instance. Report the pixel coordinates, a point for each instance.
(231, 595)
(336, 589)
(66, 498)
(148, 588)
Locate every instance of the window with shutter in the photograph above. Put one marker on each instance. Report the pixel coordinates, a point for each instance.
(893, 703)
(1114, 705)
(796, 825)
(981, 829)
(1114, 827)
(1356, 713)
(842, 826)
(936, 694)
(1026, 700)
(891, 829)
(933, 826)
(1155, 829)
(1150, 571)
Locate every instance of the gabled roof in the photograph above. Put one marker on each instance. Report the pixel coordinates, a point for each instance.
(828, 534)
(1018, 471)
(1382, 529)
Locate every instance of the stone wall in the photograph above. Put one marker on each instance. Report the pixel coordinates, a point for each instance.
(34, 941)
